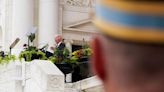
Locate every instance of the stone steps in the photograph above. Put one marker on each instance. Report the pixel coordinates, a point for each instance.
(92, 84)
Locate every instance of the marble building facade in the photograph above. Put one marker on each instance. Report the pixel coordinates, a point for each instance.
(69, 18)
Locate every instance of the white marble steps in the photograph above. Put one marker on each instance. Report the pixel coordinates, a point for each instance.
(92, 84)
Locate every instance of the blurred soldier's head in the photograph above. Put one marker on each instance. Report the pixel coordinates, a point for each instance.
(128, 55)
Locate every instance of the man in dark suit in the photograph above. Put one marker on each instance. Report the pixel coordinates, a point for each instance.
(59, 47)
(60, 42)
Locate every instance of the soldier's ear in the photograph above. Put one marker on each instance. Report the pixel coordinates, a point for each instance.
(97, 59)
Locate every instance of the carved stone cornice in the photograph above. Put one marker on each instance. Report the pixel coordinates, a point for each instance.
(79, 3)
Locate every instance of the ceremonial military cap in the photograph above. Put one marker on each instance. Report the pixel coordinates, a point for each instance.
(136, 21)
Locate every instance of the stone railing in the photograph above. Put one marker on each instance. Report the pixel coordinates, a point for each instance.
(36, 76)
(43, 76)
(92, 84)
(11, 77)
(40, 76)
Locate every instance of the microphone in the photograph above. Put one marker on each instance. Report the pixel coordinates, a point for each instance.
(14, 43)
(44, 47)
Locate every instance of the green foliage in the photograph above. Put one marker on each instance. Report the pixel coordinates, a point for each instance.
(31, 37)
(85, 46)
(41, 54)
(56, 52)
(66, 52)
(29, 52)
(25, 54)
(87, 52)
(7, 59)
(73, 59)
(82, 52)
(56, 58)
(52, 59)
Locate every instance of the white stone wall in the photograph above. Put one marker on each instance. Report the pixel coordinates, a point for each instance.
(19, 19)
(37, 76)
(74, 12)
(41, 76)
(10, 77)
(0, 38)
(92, 84)
(1, 21)
(5, 23)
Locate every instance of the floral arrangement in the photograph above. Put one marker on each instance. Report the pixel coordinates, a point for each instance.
(82, 52)
(85, 52)
(68, 57)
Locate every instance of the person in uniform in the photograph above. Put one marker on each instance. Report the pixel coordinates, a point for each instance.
(128, 54)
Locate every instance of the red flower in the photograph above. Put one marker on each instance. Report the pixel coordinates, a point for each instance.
(79, 54)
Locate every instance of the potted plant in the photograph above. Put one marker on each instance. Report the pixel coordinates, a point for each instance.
(81, 70)
(62, 61)
(30, 52)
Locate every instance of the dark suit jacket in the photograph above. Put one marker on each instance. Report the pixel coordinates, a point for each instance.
(60, 47)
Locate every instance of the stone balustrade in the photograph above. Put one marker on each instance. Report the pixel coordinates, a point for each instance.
(43, 76)
(36, 76)
(92, 84)
(10, 77)
(40, 76)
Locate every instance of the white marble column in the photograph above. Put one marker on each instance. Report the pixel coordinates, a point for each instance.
(22, 20)
(6, 23)
(48, 22)
(1, 35)
(3, 24)
(1, 39)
